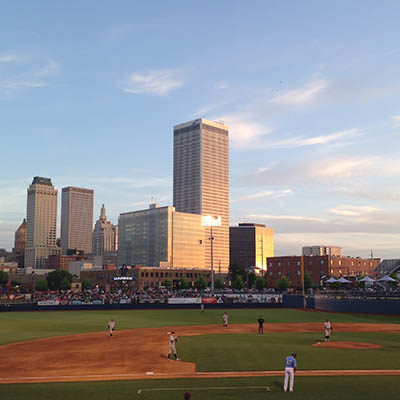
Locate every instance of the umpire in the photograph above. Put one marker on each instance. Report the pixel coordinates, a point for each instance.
(260, 325)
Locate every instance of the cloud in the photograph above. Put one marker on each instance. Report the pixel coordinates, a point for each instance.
(287, 217)
(396, 121)
(311, 141)
(301, 96)
(273, 194)
(31, 78)
(353, 211)
(158, 82)
(7, 59)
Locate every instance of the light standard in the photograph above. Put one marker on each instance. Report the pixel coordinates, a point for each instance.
(210, 221)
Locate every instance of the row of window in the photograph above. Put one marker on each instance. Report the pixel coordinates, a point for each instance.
(170, 274)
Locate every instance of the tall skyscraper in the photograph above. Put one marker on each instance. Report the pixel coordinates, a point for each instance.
(41, 222)
(105, 235)
(201, 181)
(76, 219)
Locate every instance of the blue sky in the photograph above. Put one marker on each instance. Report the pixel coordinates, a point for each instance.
(90, 91)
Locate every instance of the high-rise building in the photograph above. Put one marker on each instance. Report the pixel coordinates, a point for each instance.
(201, 181)
(76, 219)
(41, 222)
(251, 245)
(19, 244)
(161, 236)
(105, 235)
(322, 251)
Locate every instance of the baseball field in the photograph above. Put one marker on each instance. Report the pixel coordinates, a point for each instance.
(69, 355)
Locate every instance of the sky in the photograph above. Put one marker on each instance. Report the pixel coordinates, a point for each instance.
(90, 92)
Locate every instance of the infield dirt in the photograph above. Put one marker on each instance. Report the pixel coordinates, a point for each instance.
(138, 354)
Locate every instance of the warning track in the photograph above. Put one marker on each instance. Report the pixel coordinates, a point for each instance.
(132, 354)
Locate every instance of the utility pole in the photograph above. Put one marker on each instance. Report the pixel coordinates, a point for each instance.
(212, 260)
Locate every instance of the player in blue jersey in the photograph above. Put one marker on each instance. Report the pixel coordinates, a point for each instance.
(290, 369)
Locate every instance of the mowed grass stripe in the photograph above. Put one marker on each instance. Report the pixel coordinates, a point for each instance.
(306, 388)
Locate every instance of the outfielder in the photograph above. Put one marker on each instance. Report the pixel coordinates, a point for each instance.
(328, 329)
(172, 349)
(260, 325)
(111, 327)
(225, 318)
(290, 369)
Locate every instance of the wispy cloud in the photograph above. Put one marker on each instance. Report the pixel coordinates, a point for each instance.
(30, 78)
(353, 211)
(287, 217)
(7, 59)
(396, 121)
(158, 82)
(301, 96)
(272, 194)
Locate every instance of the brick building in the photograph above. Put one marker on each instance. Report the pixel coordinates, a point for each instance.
(316, 267)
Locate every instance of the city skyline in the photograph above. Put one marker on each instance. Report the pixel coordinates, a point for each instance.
(309, 92)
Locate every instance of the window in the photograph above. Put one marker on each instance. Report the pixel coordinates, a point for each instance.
(142, 274)
(279, 263)
(271, 264)
(298, 263)
(162, 274)
(298, 273)
(147, 274)
(156, 274)
(151, 274)
(279, 273)
(322, 261)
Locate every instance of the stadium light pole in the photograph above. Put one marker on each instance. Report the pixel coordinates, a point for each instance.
(210, 221)
(302, 278)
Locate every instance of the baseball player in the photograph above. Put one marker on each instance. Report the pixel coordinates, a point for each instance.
(111, 327)
(260, 325)
(290, 369)
(186, 395)
(225, 318)
(328, 329)
(172, 349)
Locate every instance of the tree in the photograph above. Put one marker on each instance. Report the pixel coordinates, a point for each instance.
(283, 284)
(308, 283)
(238, 282)
(261, 283)
(166, 282)
(86, 284)
(3, 277)
(55, 280)
(251, 278)
(234, 270)
(183, 283)
(219, 283)
(42, 286)
(200, 283)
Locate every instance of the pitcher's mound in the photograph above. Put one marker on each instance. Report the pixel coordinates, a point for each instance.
(348, 345)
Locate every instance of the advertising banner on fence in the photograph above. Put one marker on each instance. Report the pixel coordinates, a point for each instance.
(184, 300)
(209, 300)
(48, 303)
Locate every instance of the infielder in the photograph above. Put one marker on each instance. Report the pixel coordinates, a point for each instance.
(225, 318)
(111, 327)
(328, 329)
(172, 349)
(290, 369)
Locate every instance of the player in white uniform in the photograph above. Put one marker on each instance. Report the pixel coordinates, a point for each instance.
(225, 318)
(290, 369)
(328, 330)
(111, 327)
(172, 349)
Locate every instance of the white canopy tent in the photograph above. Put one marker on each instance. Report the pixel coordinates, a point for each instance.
(331, 280)
(387, 278)
(343, 280)
(367, 279)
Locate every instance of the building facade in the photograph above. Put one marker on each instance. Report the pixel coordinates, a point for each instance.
(201, 181)
(250, 245)
(105, 235)
(161, 236)
(322, 251)
(41, 222)
(76, 219)
(317, 267)
(19, 244)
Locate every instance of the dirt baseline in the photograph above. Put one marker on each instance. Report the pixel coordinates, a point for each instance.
(348, 345)
(134, 354)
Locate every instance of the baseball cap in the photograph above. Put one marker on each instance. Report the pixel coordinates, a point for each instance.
(294, 354)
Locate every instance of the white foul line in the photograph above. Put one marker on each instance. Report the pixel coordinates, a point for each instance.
(206, 388)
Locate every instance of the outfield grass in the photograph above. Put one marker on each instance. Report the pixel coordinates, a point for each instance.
(306, 388)
(19, 326)
(245, 352)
